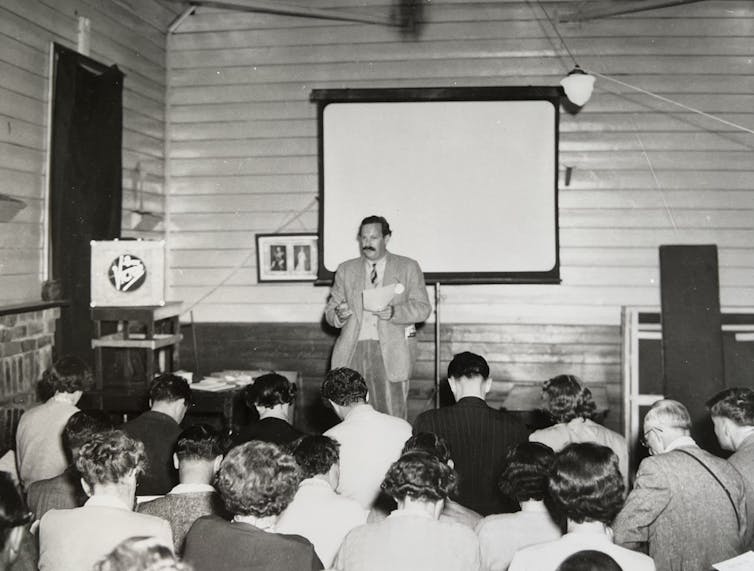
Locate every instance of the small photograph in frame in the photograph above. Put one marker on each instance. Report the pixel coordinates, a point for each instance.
(286, 257)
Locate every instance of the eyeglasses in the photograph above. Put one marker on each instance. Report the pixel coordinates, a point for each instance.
(644, 436)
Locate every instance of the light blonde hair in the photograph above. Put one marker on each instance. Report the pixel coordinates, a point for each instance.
(669, 413)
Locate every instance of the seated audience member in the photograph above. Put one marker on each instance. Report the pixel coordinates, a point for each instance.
(13, 519)
(412, 537)
(369, 440)
(317, 512)
(571, 406)
(687, 506)
(589, 560)
(430, 443)
(39, 448)
(257, 481)
(158, 428)
(75, 539)
(141, 554)
(732, 412)
(525, 474)
(272, 396)
(64, 491)
(198, 454)
(586, 488)
(478, 435)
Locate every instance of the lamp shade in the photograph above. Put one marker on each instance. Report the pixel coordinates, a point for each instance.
(578, 86)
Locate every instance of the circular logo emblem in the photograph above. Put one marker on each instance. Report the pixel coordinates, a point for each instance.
(127, 273)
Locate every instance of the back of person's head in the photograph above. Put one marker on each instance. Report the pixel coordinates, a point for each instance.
(344, 387)
(526, 471)
(736, 404)
(374, 219)
(316, 454)
(419, 476)
(269, 390)
(109, 457)
(13, 516)
(586, 483)
(79, 429)
(68, 374)
(430, 443)
(168, 387)
(141, 554)
(667, 413)
(199, 442)
(257, 479)
(589, 560)
(468, 365)
(566, 398)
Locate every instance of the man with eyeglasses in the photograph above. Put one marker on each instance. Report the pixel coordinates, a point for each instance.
(687, 506)
(732, 412)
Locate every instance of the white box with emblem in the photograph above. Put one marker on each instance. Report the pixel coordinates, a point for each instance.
(127, 273)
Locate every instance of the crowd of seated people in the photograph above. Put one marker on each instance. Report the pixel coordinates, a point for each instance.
(466, 487)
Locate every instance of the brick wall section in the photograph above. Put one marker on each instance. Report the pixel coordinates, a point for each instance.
(26, 342)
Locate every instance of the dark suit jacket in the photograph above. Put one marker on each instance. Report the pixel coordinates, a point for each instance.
(410, 307)
(272, 430)
(159, 433)
(478, 436)
(214, 544)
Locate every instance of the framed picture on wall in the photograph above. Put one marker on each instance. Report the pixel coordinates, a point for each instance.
(287, 257)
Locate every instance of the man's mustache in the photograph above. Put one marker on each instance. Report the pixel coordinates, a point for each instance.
(368, 248)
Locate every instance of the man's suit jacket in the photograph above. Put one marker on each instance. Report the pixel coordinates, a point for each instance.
(682, 512)
(478, 436)
(410, 307)
(159, 433)
(743, 461)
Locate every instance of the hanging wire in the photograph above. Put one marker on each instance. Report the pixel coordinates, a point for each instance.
(557, 32)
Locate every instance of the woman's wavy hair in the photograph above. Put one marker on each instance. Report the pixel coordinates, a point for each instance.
(586, 484)
(67, 375)
(567, 399)
(419, 475)
(109, 457)
(269, 390)
(141, 554)
(736, 403)
(526, 471)
(258, 479)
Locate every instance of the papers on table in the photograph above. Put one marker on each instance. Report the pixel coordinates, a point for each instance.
(227, 380)
(378, 298)
(744, 562)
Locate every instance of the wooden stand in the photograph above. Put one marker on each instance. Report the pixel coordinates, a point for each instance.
(152, 329)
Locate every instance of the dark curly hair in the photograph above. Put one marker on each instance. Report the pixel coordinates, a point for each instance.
(586, 483)
(419, 475)
(344, 387)
(374, 219)
(169, 387)
(13, 512)
(567, 398)
(269, 390)
(468, 364)
(430, 443)
(257, 479)
(109, 457)
(199, 442)
(526, 471)
(737, 404)
(589, 560)
(79, 429)
(67, 375)
(316, 454)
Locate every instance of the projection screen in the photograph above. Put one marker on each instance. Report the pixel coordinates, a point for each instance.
(467, 178)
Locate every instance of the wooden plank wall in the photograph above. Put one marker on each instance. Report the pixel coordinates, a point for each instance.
(130, 34)
(243, 145)
(516, 353)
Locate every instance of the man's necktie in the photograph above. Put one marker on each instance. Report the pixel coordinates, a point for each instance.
(373, 275)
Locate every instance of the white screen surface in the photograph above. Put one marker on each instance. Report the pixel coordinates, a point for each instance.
(469, 187)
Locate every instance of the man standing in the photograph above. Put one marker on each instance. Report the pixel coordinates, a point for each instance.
(380, 344)
(732, 412)
(477, 434)
(687, 505)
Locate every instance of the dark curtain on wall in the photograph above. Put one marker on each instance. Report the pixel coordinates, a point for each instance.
(85, 182)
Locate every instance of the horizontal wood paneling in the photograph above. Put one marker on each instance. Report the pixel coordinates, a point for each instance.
(130, 34)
